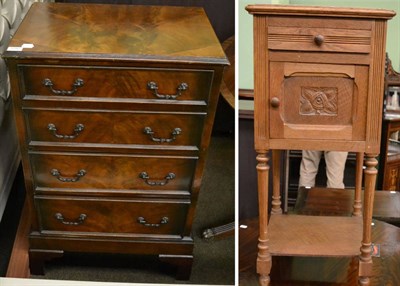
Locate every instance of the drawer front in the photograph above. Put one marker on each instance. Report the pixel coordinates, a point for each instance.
(151, 84)
(112, 127)
(110, 171)
(111, 216)
(319, 35)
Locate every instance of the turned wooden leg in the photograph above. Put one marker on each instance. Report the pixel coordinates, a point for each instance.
(357, 206)
(183, 264)
(365, 265)
(276, 178)
(37, 258)
(264, 257)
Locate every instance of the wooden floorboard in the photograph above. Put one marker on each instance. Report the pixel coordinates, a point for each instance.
(18, 266)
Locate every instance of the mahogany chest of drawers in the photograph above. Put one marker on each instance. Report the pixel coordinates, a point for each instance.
(318, 85)
(114, 108)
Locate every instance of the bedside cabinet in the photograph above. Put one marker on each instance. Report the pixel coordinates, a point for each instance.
(114, 107)
(318, 86)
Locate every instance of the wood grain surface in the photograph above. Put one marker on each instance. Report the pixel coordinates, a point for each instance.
(153, 31)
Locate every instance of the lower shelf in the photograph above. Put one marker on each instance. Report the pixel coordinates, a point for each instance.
(299, 235)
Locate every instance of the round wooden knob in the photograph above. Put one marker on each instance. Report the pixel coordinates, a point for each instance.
(319, 40)
(275, 102)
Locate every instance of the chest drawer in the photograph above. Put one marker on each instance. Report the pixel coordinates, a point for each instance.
(319, 34)
(111, 216)
(110, 171)
(113, 127)
(118, 82)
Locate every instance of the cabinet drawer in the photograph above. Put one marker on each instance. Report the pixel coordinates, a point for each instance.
(113, 127)
(123, 83)
(112, 171)
(111, 216)
(319, 34)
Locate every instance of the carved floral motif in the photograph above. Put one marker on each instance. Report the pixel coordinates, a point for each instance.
(319, 101)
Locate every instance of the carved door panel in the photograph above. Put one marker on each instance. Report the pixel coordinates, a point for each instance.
(318, 101)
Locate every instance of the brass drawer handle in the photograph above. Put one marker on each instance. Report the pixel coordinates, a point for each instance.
(53, 129)
(146, 178)
(142, 220)
(77, 83)
(154, 87)
(79, 221)
(319, 40)
(57, 174)
(150, 132)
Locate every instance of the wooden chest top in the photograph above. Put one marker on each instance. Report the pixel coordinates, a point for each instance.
(144, 33)
(318, 11)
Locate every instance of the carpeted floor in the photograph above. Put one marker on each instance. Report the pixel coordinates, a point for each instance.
(214, 261)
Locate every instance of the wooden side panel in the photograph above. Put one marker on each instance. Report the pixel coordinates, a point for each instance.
(261, 79)
(376, 83)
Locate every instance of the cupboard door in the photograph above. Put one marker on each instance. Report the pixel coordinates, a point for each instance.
(318, 101)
